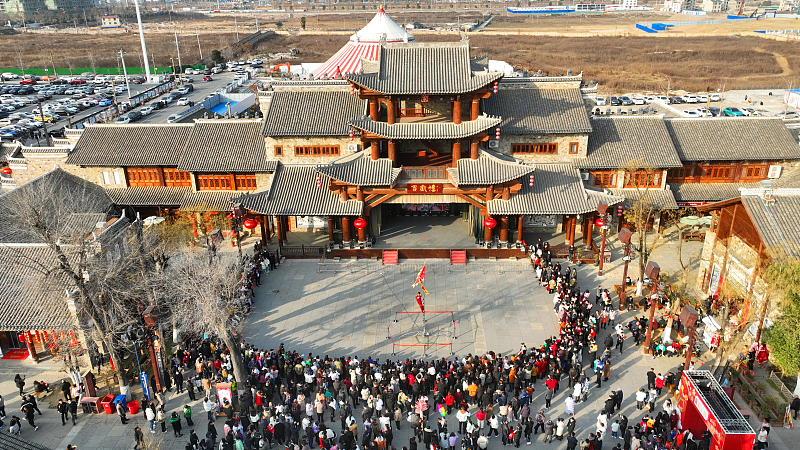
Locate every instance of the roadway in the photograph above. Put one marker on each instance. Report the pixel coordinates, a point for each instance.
(201, 90)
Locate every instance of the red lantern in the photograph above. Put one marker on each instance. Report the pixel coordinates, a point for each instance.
(360, 223)
(250, 224)
(7, 170)
(229, 216)
(351, 134)
(619, 211)
(21, 337)
(599, 222)
(489, 223)
(530, 181)
(319, 181)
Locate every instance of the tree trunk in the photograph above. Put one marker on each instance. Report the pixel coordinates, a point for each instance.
(236, 358)
(724, 346)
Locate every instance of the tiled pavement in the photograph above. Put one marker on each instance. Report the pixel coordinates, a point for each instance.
(348, 312)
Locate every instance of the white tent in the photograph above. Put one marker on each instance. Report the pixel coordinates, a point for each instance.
(364, 44)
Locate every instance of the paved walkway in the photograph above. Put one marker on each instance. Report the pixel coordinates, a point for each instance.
(348, 312)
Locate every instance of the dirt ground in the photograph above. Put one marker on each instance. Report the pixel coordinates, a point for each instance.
(605, 47)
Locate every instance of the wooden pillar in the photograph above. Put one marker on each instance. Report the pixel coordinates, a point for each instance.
(456, 151)
(362, 234)
(476, 107)
(390, 111)
(572, 223)
(506, 193)
(343, 194)
(487, 232)
(263, 223)
(457, 110)
(489, 193)
(374, 150)
(359, 194)
(373, 108)
(473, 148)
(392, 152)
(346, 229)
(504, 229)
(279, 230)
(330, 228)
(519, 227)
(587, 239)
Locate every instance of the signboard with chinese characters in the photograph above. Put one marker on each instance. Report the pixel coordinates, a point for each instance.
(424, 188)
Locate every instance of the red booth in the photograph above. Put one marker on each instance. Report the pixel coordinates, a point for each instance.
(704, 405)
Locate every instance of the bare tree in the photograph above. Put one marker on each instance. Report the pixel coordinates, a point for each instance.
(102, 275)
(208, 299)
(641, 213)
(20, 54)
(93, 62)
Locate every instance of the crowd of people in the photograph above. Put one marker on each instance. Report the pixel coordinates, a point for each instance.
(298, 401)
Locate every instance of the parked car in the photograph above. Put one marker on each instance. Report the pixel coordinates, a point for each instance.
(715, 97)
(183, 101)
(714, 111)
(732, 112)
(691, 113)
(751, 111)
(123, 120)
(675, 101)
(626, 101)
(689, 98)
(702, 98)
(600, 101)
(146, 110)
(614, 101)
(172, 118)
(638, 100)
(649, 99)
(207, 78)
(105, 102)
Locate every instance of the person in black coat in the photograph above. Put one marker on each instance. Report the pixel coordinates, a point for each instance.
(211, 434)
(572, 441)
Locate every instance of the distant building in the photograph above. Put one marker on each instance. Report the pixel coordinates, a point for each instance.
(677, 6)
(16, 7)
(715, 6)
(110, 22)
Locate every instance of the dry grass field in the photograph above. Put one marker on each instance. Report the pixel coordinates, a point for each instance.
(605, 47)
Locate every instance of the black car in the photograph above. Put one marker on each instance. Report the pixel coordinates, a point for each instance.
(675, 100)
(614, 101)
(135, 115)
(714, 111)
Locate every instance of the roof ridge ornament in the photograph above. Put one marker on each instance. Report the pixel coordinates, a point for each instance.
(382, 40)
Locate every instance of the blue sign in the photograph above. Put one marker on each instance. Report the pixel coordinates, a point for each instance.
(145, 386)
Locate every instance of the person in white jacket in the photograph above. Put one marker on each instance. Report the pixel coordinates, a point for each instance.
(151, 418)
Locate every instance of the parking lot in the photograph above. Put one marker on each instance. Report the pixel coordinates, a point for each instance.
(27, 130)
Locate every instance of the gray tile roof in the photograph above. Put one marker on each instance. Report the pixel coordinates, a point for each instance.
(311, 113)
(489, 168)
(360, 170)
(209, 200)
(425, 68)
(200, 113)
(226, 146)
(617, 142)
(659, 198)
(732, 139)
(130, 145)
(434, 130)
(534, 111)
(12, 442)
(25, 301)
(557, 189)
(776, 222)
(8, 149)
(148, 195)
(707, 192)
(294, 191)
(56, 191)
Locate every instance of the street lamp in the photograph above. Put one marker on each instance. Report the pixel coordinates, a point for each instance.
(125, 72)
(625, 238)
(601, 222)
(651, 271)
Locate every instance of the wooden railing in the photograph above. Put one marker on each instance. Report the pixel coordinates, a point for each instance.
(412, 112)
(427, 172)
(302, 251)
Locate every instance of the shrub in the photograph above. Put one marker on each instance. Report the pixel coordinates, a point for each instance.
(760, 385)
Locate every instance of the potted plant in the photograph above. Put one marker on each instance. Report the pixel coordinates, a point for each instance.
(596, 260)
(760, 387)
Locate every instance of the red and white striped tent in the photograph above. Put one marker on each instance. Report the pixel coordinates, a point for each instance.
(364, 44)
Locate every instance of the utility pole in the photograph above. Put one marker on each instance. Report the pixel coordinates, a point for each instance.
(236, 23)
(55, 74)
(125, 72)
(141, 38)
(257, 29)
(178, 47)
(198, 43)
(44, 123)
